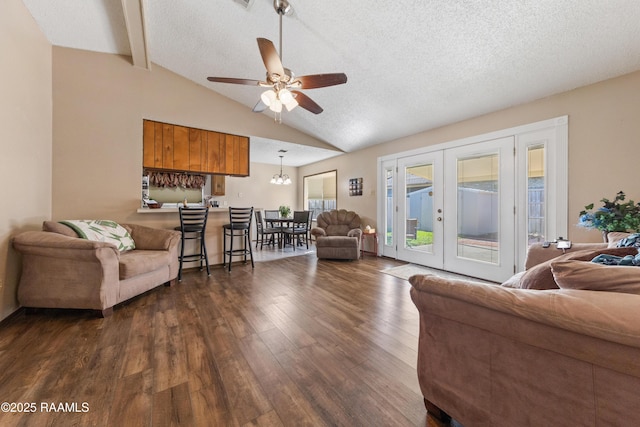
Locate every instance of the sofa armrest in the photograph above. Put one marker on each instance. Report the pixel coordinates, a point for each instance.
(147, 238)
(318, 232)
(536, 254)
(66, 272)
(355, 232)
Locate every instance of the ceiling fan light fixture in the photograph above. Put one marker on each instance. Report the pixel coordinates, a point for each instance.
(287, 99)
(291, 104)
(268, 97)
(285, 96)
(276, 106)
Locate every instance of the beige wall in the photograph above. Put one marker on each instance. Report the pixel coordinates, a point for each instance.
(604, 141)
(25, 120)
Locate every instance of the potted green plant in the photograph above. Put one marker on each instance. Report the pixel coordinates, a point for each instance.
(285, 211)
(616, 215)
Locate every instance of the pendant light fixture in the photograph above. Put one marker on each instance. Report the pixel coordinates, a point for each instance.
(281, 179)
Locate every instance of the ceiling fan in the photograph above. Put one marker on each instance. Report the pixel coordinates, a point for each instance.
(282, 83)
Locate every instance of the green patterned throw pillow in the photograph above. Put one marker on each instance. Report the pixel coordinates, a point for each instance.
(102, 230)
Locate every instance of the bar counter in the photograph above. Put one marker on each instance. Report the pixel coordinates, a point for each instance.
(168, 218)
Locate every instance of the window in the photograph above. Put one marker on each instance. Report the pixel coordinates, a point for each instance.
(320, 192)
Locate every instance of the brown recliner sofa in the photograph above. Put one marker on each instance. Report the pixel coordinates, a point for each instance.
(338, 234)
(491, 355)
(62, 270)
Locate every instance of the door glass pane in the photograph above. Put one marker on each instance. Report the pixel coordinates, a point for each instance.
(478, 209)
(419, 208)
(388, 211)
(536, 209)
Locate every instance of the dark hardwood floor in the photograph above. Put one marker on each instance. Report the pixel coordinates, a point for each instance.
(294, 342)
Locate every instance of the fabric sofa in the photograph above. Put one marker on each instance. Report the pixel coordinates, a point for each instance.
(62, 270)
(492, 355)
(338, 235)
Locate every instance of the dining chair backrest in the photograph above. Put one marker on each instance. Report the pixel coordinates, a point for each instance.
(259, 221)
(268, 214)
(193, 219)
(309, 220)
(301, 219)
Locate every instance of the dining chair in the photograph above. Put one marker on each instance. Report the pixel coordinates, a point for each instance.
(263, 231)
(239, 226)
(193, 224)
(271, 214)
(300, 227)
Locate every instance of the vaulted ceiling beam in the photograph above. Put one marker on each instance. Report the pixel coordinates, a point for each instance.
(136, 29)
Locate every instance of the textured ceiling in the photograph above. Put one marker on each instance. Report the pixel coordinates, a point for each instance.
(411, 65)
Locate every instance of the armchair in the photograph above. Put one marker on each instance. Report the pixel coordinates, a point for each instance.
(338, 235)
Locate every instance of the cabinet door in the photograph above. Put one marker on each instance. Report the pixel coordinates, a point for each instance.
(148, 144)
(180, 148)
(167, 146)
(241, 156)
(204, 150)
(153, 149)
(230, 142)
(213, 153)
(195, 151)
(217, 185)
(159, 146)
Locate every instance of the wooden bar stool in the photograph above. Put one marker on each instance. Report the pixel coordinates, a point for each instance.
(239, 226)
(193, 224)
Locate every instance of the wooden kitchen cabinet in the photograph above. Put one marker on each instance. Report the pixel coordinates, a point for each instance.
(217, 185)
(180, 148)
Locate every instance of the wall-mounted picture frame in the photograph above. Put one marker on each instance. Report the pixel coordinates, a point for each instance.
(355, 187)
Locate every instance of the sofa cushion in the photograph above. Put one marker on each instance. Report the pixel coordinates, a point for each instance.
(136, 262)
(337, 242)
(614, 237)
(56, 227)
(541, 277)
(596, 277)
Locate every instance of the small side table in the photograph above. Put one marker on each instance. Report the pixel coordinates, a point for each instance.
(369, 233)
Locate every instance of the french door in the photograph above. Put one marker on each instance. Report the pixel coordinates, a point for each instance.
(473, 206)
(420, 198)
(480, 212)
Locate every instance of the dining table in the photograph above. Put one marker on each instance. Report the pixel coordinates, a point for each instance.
(279, 223)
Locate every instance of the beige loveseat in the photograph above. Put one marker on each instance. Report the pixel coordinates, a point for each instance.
(338, 234)
(61, 270)
(493, 355)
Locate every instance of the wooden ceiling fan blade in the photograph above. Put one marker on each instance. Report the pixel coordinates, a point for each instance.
(234, 81)
(321, 80)
(307, 103)
(270, 57)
